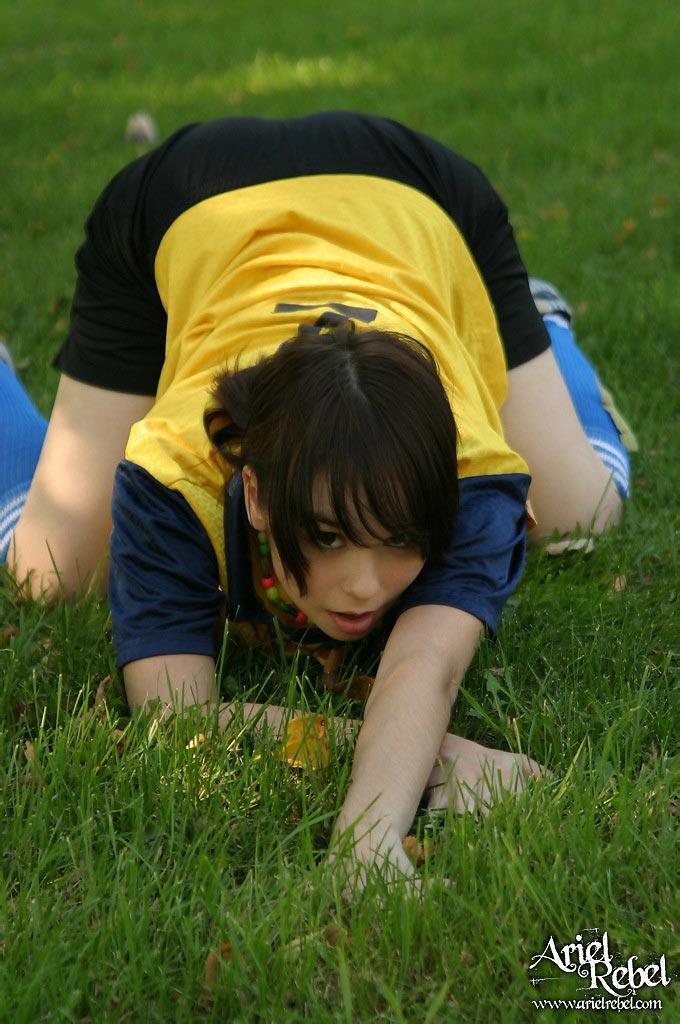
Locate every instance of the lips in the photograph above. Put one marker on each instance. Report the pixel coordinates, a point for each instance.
(354, 625)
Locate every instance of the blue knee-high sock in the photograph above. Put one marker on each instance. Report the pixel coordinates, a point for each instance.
(582, 383)
(22, 432)
(584, 388)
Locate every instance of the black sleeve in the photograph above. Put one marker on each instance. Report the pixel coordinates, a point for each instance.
(163, 576)
(117, 318)
(482, 218)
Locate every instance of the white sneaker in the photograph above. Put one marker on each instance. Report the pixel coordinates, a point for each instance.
(6, 357)
(548, 300)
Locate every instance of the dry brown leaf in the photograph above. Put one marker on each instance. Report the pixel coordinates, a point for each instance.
(619, 584)
(57, 304)
(19, 710)
(6, 634)
(333, 935)
(196, 741)
(360, 688)
(417, 852)
(223, 952)
(34, 776)
(100, 695)
(305, 744)
(119, 736)
(331, 661)
(412, 849)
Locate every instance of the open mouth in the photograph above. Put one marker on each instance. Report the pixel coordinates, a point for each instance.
(353, 624)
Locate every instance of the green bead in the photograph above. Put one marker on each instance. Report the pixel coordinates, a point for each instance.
(262, 536)
(272, 593)
(264, 549)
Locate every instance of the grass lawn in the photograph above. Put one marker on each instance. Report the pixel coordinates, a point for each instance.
(129, 858)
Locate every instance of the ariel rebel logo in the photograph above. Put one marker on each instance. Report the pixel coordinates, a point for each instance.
(591, 959)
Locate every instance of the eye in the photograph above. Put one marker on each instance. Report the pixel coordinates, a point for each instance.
(402, 542)
(326, 539)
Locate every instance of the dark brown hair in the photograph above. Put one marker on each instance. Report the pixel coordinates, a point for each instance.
(359, 408)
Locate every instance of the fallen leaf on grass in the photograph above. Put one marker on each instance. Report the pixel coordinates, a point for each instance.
(6, 634)
(627, 228)
(333, 935)
(619, 584)
(305, 744)
(196, 741)
(417, 852)
(19, 710)
(119, 735)
(100, 695)
(215, 956)
(98, 709)
(57, 304)
(34, 776)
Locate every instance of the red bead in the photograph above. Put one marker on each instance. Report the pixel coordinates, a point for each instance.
(267, 582)
(300, 618)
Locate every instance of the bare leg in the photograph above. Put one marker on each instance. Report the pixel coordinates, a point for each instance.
(570, 486)
(64, 527)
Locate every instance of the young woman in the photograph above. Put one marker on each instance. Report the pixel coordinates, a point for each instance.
(306, 380)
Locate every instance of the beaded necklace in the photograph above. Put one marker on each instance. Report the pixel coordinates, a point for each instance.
(328, 654)
(268, 583)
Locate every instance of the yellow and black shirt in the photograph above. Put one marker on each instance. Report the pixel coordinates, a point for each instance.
(221, 242)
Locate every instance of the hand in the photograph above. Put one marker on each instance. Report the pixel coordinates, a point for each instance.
(380, 852)
(469, 777)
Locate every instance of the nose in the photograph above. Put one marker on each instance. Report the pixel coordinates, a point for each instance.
(363, 581)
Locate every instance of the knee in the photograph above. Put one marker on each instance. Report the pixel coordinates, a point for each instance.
(594, 513)
(51, 585)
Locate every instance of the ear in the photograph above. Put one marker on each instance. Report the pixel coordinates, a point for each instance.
(255, 516)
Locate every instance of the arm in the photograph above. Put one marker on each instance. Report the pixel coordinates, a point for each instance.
(185, 680)
(405, 720)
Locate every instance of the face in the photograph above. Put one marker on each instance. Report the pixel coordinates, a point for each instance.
(343, 578)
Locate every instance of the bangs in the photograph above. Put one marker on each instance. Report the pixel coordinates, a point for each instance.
(376, 466)
(365, 488)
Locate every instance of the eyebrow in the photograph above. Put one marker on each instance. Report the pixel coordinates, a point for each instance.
(326, 521)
